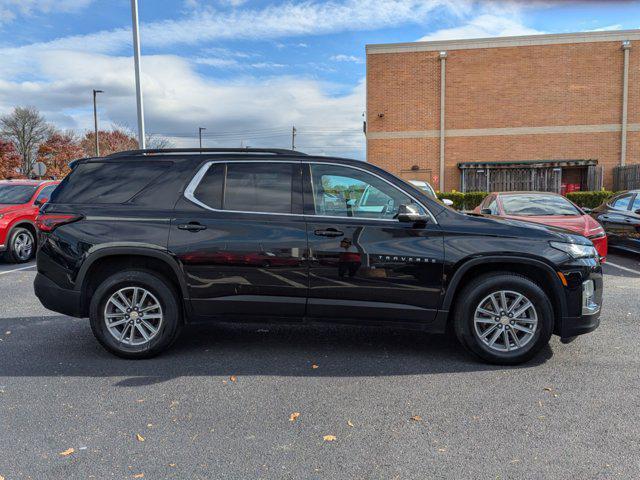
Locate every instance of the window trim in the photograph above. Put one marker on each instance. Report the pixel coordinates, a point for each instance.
(197, 178)
(614, 199)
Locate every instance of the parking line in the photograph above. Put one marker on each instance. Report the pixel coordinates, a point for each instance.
(17, 269)
(626, 269)
(280, 277)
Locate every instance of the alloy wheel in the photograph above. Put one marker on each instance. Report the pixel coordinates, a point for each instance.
(133, 316)
(505, 321)
(23, 246)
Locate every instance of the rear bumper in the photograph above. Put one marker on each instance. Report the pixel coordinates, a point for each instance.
(55, 298)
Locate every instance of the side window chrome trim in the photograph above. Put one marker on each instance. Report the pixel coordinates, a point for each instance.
(195, 181)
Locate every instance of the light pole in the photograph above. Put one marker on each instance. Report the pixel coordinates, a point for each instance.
(200, 129)
(95, 119)
(136, 62)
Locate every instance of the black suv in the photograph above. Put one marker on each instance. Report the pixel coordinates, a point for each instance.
(143, 242)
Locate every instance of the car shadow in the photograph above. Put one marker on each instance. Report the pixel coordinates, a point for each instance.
(62, 346)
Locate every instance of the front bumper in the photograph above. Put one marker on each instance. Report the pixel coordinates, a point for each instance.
(55, 298)
(585, 315)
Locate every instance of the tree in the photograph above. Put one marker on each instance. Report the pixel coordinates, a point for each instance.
(110, 141)
(58, 151)
(9, 160)
(156, 141)
(27, 129)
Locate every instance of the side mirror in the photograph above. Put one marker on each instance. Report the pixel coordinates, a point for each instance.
(637, 212)
(447, 202)
(40, 201)
(410, 213)
(486, 211)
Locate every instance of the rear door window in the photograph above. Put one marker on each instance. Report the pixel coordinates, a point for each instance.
(259, 187)
(622, 202)
(108, 182)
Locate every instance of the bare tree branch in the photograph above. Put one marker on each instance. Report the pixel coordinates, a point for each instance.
(26, 129)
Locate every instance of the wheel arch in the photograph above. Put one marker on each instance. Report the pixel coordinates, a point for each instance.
(537, 270)
(106, 261)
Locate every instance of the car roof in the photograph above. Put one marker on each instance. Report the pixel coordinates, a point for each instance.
(524, 192)
(35, 183)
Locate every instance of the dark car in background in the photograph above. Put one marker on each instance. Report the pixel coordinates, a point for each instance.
(139, 243)
(20, 201)
(620, 217)
(547, 209)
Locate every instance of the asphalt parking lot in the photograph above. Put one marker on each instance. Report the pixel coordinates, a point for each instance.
(399, 404)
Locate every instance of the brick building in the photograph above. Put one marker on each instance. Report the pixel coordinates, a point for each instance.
(531, 112)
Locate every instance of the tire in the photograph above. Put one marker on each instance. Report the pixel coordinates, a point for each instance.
(537, 320)
(158, 292)
(21, 246)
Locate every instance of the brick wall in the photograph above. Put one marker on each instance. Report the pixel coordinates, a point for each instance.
(562, 85)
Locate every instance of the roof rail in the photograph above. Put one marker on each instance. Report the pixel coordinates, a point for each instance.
(159, 151)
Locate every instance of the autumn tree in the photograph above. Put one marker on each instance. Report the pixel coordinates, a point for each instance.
(26, 128)
(58, 151)
(110, 141)
(10, 162)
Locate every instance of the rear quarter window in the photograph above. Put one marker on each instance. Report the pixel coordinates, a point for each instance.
(108, 182)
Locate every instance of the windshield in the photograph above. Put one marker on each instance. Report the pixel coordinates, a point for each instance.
(16, 194)
(537, 205)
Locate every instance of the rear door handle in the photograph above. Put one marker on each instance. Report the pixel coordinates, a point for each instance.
(192, 227)
(329, 232)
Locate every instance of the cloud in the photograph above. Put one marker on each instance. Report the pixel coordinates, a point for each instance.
(346, 58)
(10, 9)
(482, 26)
(617, 26)
(259, 111)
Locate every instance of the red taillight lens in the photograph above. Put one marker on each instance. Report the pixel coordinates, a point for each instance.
(47, 222)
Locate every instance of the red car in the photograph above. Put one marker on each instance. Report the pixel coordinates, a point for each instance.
(548, 209)
(20, 201)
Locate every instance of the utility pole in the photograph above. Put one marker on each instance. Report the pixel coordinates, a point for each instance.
(200, 129)
(293, 137)
(136, 63)
(95, 119)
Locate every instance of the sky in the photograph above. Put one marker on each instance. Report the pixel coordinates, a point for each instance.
(247, 71)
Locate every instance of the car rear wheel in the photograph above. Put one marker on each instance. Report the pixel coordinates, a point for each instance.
(135, 314)
(21, 246)
(503, 318)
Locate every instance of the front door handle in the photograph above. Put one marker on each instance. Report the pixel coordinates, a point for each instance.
(192, 227)
(329, 232)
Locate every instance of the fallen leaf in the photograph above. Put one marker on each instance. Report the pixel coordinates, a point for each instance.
(139, 437)
(442, 449)
(547, 389)
(149, 425)
(539, 403)
(314, 366)
(329, 438)
(172, 464)
(67, 452)
(350, 423)
(416, 418)
(138, 475)
(1, 477)
(233, 378)
(140, 400)
(8, 332)
(294, 416)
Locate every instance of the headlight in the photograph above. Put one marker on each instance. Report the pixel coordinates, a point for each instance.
(575, 250)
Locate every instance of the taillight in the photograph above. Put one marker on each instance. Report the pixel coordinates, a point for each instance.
(601, 244)
(47, 222)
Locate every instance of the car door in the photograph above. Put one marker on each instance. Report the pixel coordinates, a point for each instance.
(363, 263)
(632, 225)
(240, 235)
(616, 219)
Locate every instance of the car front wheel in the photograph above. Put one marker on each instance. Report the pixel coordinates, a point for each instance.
(135, 314)
(503, 318)
(21, 246)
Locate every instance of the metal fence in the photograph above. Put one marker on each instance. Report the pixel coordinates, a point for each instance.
(626, 178)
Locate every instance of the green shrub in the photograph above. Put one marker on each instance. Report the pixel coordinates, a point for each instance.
(456, 197)
(473, 199)
(463, 201)
(589, 199)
